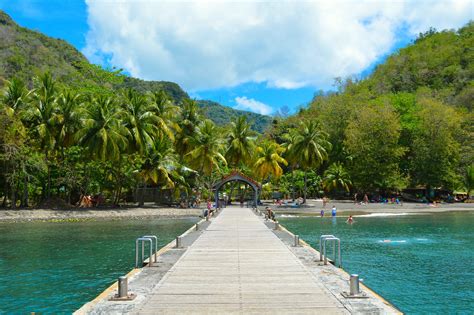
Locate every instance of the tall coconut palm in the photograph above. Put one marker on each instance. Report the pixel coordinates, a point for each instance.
(41, 117)
(206, 155)
(102, 134)
(188, 122)
(289, 154)
(269, 160)
(310, 147)
(336, 177)
(165, 111)
(139, 118)
(240, 142)
(69, 113)
(159, 165)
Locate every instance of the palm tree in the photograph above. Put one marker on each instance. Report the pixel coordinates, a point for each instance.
(188, 122)
(69, 113)
(336, 177)
(207, 144)
(42, 118)
(269, 160)
(240, 142)
(159, 165)
(310, 147)
(165, 111)
(102, 134)
(140, 119)
(15, 96)
(290, 139)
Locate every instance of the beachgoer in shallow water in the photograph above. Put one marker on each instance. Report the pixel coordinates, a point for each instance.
(322, 213)
(333, 211)
(350, 220)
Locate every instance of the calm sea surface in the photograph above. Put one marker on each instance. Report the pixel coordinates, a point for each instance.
(57, 267)
(423, 264)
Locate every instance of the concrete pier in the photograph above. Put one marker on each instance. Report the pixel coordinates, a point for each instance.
(240, 265)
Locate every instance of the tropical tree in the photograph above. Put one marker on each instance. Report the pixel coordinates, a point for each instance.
(206, 155)
(240, 142)
(165, 111)
(336, 177)
(42, 119)
(309, 148)
(140, 120)
(268, 160)
(159, 165)
(102, 134)
(68, 117)
(188, 122)
(469, 180)
(15, 96)
(372, 139)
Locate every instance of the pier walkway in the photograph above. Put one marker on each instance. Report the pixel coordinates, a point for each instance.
(239, 266)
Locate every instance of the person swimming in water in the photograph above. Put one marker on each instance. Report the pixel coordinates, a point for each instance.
(350, 220)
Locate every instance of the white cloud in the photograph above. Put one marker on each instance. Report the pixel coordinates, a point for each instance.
(288, 44)
(250, 104)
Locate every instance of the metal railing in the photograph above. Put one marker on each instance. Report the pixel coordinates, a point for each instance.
(146, 239)
(334, 240)
(321, 241)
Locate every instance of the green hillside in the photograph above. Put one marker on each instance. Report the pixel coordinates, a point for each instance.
(25, 54)
(223, 115)
(410, 123)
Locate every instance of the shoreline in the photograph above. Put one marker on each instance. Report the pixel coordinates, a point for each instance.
(29, 215)
(312, 208)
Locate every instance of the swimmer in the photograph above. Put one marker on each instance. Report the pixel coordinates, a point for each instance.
(350, 220)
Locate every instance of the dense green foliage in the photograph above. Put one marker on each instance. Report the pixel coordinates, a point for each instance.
(409, 124)
(81, 130)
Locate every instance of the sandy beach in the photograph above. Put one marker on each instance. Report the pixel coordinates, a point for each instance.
(85, 214)
(313, 207)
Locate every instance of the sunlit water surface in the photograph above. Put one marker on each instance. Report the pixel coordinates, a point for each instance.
(423, 264)
(57, 267)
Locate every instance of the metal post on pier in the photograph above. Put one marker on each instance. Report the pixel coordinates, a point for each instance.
(122, 287)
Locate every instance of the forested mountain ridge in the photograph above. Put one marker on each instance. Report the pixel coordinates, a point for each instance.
(222, 115)
(410, 123)
(25, 54)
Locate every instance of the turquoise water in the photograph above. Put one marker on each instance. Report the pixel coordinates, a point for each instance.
(57, 267)
(423, 264)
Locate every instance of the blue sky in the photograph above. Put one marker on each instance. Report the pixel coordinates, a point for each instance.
(252, 55)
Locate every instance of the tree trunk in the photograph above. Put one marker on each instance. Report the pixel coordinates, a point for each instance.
(24, 201)
(142, 195)
(305, 186)
(13, 206)
(293, 184)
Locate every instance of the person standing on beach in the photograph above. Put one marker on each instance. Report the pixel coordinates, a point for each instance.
(322, 213)
(366, 199)
(355, 198)
(334, 210)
